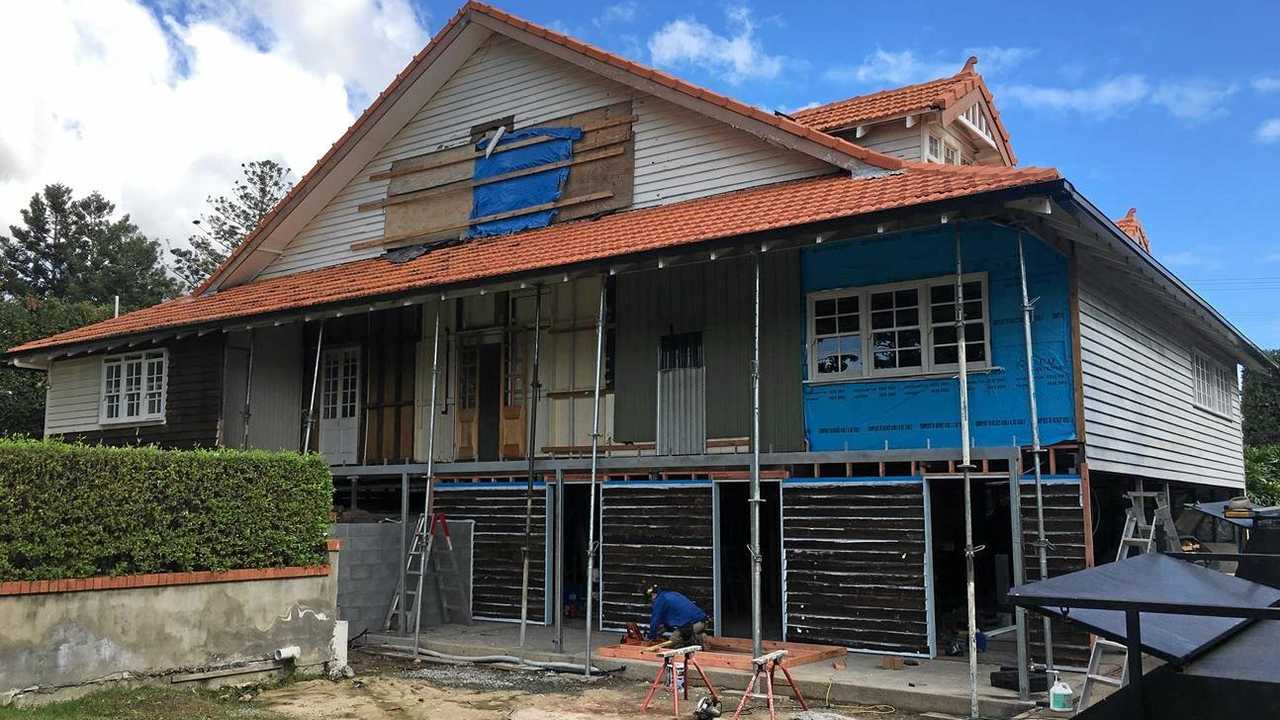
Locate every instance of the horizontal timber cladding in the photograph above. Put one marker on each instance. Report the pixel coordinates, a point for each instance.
(497, 543)
(193, 401)
(855, 565)
(715, 299)
(1064, 531)
(654, 534)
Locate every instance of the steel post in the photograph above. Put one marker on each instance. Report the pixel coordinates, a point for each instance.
(966, 467)
(557, 583)
(404, 552)
(757, 639)
(315, 380)
(595, 456)
(431, 456)
(1036, 451)
(1019, 569)
(248, 395)
(532, 406)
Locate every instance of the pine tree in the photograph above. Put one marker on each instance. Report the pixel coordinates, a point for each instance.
(229, 219)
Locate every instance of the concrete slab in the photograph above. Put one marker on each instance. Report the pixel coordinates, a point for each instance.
(939, 686)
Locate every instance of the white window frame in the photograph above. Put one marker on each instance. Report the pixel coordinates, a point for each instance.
(123, 361)
(927, 367)
(1213, 386)
(945, 143)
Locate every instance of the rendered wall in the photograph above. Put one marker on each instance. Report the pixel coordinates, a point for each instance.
(54, 640)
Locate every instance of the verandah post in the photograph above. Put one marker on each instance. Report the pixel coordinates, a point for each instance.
(595, 454)
(532, 401)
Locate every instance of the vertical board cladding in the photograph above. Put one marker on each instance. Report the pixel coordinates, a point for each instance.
(916, 411)
(715, 299)
(654, 534)
(1064, 531)
(193, 402)
(391, 350)
(498, 511)
(1139, 392)
(678, 154)
(855, 565)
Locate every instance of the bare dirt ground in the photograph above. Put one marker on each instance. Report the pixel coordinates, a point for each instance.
(398, 689)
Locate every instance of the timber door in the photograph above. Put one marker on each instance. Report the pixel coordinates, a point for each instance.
(515, 381)
(340, 406)
(492, 384)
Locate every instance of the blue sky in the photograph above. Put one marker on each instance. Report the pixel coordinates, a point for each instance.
(1173, 108)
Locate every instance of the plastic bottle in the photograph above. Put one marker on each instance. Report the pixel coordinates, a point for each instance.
(1060, 696)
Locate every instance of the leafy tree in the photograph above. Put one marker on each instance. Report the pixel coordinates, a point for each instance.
(1260, 405)
(78, 250)
(21, 390)
(229, 219)
(1262, 474)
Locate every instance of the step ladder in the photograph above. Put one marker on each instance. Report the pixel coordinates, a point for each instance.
(1143, 536)
(425, 558)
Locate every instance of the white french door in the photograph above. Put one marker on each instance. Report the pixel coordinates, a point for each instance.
(340, 405)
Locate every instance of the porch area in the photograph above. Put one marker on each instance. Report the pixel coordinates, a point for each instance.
(937, 685)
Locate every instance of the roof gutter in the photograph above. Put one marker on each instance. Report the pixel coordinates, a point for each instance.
(1108, 225)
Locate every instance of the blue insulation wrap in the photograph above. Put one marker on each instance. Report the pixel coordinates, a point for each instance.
(522, 192)
(918, 412)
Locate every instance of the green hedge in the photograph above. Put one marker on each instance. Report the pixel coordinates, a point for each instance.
(73, 510)
(1262, 473)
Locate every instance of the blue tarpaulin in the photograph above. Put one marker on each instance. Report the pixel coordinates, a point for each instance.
(522, 192)
(920, 412)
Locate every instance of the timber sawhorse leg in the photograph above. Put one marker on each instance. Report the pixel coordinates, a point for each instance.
(766, 665)
(668, 665)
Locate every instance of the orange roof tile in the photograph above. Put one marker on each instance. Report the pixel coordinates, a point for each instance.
(720, 216)
(1133, 227)
(419, 62)
(897, 102)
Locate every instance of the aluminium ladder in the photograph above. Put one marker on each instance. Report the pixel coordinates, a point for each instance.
(1143, 536)
(421, 561)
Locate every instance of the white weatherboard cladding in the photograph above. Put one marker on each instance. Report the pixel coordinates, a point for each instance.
(1140, 416)
(72, 399)
(679, 154)
(893, 138)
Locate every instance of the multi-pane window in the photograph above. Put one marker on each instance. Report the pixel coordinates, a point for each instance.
(340, 388)
(941, 150)
(837, 337)
(895, 330)
(1214, 385)
(133, 387)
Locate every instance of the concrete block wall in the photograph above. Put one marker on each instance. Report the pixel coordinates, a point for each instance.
(370, 572)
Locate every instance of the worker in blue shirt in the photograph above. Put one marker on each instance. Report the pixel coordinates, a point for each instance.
(672, 610)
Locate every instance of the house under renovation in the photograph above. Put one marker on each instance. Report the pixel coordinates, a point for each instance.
(521, 218)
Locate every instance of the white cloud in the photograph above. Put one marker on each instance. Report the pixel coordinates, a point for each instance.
(1266, 84)
(904, 67)
(1268, 131)
(157, 115)
(623, 12)
(1187, 259)
(739, 56)
(1191, 100)
(1194, 99)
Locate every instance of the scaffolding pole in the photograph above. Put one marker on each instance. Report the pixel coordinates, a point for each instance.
(966, 467)
(1042, 545)
(431, 456)
(757, 639)
(595, 456)
(557, 557)
(534, 387)
(248, 395)
(315, 380)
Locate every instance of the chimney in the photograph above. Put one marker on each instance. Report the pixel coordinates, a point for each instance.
(1132, 227)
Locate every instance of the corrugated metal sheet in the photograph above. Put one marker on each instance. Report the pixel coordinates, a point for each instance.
(1139, 397)
(715, 299)
(682, 411)
(679, 155)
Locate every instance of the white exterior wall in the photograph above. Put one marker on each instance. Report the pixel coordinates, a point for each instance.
(893, 138)
(71, 401)
(1140, 415)
(679, 154)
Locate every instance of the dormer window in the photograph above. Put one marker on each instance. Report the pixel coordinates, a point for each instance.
(942, 150)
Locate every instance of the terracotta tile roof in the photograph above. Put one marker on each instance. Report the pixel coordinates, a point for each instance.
(898, 102)
(1133, 227)
(420, 61)
(668, 226)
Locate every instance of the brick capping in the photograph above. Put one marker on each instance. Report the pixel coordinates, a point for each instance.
(123, 582)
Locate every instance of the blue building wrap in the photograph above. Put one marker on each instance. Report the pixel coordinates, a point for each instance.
(924, 412)
(522, 192)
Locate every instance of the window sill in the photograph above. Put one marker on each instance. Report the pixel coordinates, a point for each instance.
(917, 376)
(1216, 413)
(131, 422)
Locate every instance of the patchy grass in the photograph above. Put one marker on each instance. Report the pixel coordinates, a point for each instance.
(146, 703)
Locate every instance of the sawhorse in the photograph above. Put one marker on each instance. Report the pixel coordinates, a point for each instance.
(766, 665)
(678, 678)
